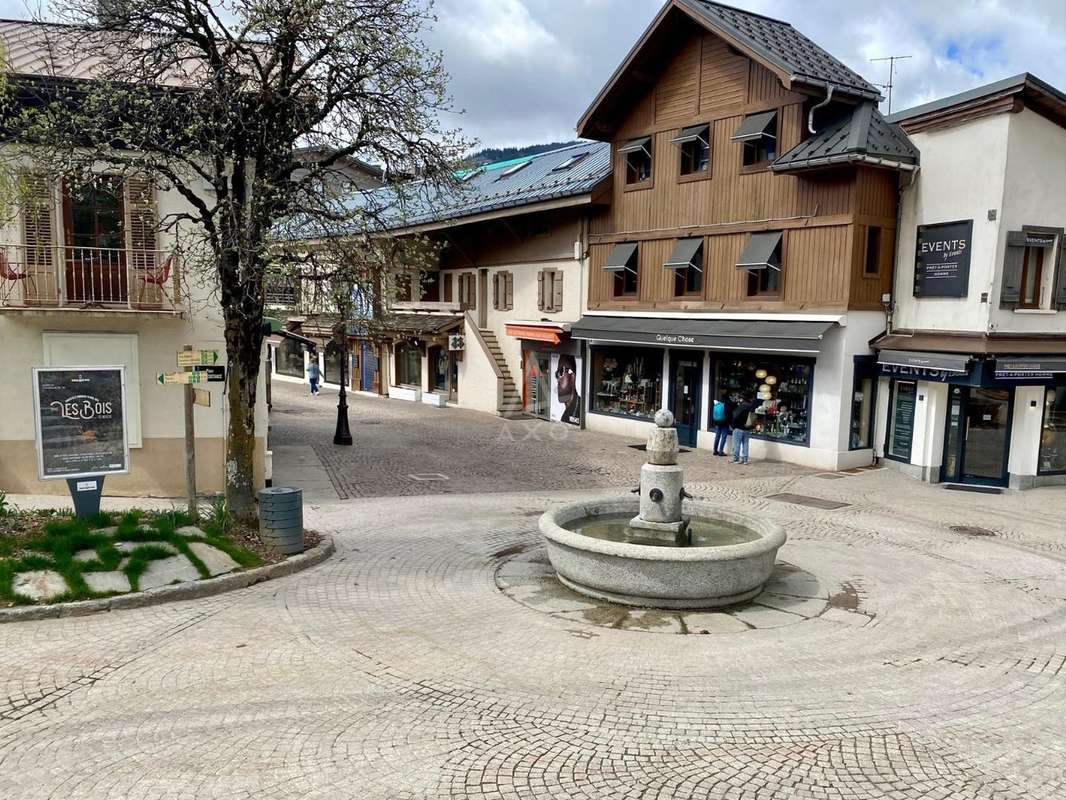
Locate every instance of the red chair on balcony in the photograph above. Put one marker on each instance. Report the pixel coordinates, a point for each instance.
(155, 277)
(10, 277)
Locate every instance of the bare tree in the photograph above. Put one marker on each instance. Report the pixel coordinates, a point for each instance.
(231, 96)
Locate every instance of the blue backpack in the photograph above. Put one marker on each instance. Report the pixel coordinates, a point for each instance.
(719, 411)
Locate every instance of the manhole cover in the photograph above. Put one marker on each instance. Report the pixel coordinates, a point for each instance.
(971, 530)
(428, 476)
(811, 502)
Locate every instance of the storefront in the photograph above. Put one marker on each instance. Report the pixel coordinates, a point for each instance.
(422, 358)
(980, 419)
(551, 371)
(814, 398)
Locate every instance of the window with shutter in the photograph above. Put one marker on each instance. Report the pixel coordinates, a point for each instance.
(557, 291)
(140, 222)
(508, 290)
(540, 290)
(497, 300)
(1010, 293)
(38, 237)
(447, 288)
(1059, 291)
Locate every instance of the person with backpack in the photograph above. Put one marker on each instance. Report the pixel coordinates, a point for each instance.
(743, 422)
(721, 415)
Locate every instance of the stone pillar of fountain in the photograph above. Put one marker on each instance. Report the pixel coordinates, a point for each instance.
(662, 485)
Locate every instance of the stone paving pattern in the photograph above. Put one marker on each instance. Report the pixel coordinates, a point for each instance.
(401, 670)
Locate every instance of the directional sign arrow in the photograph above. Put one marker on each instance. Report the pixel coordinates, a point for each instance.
(165, 378)
(195, 358)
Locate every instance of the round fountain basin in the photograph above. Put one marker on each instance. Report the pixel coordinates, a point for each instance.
(595, 552)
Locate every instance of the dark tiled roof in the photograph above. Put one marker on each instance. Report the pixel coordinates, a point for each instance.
(1015, 83)
(862, 133)
(782, 45)
(420, 323)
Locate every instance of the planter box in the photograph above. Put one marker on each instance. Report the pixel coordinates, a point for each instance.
(405, 393)
(434, 399)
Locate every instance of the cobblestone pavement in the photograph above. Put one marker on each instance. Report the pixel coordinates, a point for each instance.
(404, 669)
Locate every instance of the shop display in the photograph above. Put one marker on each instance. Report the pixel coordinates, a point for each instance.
(1053, 433)
(627, 382)
(783, 389)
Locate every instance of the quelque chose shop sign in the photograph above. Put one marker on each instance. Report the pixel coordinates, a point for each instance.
(81, 421)
(942, 259)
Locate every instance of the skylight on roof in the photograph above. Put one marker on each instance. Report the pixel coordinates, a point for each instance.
(575, 158)
(507, 173)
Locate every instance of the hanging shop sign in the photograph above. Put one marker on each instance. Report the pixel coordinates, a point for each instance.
(80, 418)
(456, 341)
(942, 259)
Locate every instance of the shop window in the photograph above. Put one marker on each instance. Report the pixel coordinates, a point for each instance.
(438, 363)
(627, 381)
(872, 264)
(290, 358)
(408, 364)
(623, 262)
(695, 144)
(503, 291)
(637, 155)
(782, 389)
(550, 290)
(686, 260)
(1052, 458)
(333, 364)
(901, 407)
(863, 400)
(761, 259)
(758, 133)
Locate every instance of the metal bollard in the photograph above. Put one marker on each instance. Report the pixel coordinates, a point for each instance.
(281, 519)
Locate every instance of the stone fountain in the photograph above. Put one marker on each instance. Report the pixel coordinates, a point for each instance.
(647, 551)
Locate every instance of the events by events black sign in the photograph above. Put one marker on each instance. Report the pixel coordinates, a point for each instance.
(81, 421)
(942, 259)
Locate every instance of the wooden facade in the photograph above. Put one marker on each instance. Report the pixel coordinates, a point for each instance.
(823, 215)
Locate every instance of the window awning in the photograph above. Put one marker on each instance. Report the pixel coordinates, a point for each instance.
(755, 126)
(1030, 366)
(942, 362)
(622, 257)
(685, 254)
(633, 145)
(768, 336)
(692, 133)
(761, 252)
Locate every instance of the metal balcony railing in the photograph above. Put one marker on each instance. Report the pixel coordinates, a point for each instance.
(88, 278)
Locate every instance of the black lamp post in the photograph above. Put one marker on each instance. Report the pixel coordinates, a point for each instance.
(343, 434)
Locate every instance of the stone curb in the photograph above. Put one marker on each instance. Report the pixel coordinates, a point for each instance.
(182, 591)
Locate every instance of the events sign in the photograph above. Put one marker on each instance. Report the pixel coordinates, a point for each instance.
(80, 414)
(942, 259)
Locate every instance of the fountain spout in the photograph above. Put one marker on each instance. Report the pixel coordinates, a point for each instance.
(662, 485)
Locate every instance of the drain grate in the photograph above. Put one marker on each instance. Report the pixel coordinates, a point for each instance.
(428, 477)
(805, 500)
(971, 530)
(960, 487)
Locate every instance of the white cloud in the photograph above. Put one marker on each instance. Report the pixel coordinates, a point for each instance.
(498, 31)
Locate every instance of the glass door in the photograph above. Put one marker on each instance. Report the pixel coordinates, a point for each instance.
(538, 384)
(687, 374)
(977, 440)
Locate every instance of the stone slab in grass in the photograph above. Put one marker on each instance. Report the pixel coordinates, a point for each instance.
(115, 581)
(216, 561)
(129, 547)
(191, 531)
(106, 531)
(165, 571)
(39, 584)
(88, 554)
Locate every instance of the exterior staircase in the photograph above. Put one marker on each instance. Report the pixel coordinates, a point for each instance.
(511, 405)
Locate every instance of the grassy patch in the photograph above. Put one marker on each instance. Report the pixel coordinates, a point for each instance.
(130, 541)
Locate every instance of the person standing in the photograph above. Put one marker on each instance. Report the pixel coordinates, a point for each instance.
(313, 373)
(743, 421)
(721, 415)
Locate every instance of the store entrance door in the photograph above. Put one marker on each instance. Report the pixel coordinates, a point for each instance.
(538, 384)
(686, 370)
(977, 440)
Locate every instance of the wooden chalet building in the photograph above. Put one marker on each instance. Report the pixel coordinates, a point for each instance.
(749, 240)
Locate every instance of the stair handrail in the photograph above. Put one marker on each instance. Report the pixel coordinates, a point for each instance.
(470, 321)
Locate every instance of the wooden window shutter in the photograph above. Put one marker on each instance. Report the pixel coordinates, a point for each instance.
(1010, 294)
(38, 236)
(497, 300)
(540, 290)
(139, 202)
(508, 291)
(447, 279)
(1058, 296)
(557, 291)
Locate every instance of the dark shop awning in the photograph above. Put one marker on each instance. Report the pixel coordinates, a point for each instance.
(754, 126)
(692, 133)
(715, 334)
(633, 145)
(685, 254)
(622, 257)
(1030, 366)
(761, 252)
(944, 362)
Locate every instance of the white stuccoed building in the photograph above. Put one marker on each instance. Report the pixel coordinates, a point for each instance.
(972, 386)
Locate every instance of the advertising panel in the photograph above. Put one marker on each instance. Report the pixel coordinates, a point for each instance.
(566, 388)
(942, 259)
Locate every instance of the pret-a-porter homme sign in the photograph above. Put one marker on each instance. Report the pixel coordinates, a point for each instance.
(81, 421)
(942, 259)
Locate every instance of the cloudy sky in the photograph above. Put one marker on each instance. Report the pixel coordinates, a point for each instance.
(525, 70)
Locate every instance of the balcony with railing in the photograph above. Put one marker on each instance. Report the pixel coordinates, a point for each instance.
(88, 278)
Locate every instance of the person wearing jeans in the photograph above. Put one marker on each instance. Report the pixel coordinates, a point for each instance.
(313, 374)
(722, 413)
(742, 428)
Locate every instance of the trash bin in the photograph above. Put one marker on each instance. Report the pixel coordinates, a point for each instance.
(281, 519)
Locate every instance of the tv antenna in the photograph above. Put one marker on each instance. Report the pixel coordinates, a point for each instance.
(891, 75)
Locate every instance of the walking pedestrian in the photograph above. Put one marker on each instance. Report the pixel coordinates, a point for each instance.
(313, 373)
(721, 415)
(743, 422)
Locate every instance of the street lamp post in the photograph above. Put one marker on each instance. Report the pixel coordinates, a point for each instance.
(343, 434)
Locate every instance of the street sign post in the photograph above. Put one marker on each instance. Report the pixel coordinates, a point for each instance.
(181, 378)
(195, 358)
